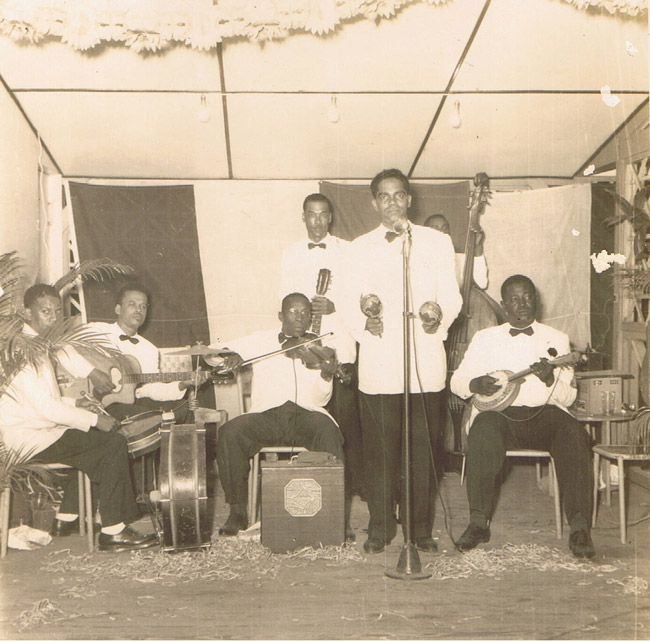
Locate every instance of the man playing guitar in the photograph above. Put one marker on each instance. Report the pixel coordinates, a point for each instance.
(537, 418)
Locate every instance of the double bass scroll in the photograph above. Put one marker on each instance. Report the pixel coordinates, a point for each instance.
(479, 309)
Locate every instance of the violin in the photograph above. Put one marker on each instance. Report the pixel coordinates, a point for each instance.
(314, 354)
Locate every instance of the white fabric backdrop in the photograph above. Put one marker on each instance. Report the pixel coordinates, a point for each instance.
(545, 234)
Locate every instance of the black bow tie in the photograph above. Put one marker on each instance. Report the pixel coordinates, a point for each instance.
(126, 337)
(391, 236)
(311, 246)
(515, 331)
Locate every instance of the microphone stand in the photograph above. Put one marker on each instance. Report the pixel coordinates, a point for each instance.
(409, 566)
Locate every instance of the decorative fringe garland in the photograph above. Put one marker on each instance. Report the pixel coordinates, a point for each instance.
(152, 25)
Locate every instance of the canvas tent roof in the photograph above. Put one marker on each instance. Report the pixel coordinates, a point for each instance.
(527, 77)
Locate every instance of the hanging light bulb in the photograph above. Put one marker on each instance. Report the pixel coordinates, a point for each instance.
(455, 120)
(333, 112)
(204, 112)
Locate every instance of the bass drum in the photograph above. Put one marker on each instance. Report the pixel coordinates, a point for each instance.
(183, 500)
(142, 432)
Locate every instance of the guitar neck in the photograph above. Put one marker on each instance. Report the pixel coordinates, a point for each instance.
(567, 359)
(316, 323)
(156, 377)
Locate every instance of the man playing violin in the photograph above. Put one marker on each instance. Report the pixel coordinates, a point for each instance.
(301, 265)
(536, 419)
(288, 398)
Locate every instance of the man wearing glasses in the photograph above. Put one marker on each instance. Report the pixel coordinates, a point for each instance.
(378, 260)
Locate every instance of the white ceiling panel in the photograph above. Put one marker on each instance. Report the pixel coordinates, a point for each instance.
(540, 135)
(275, 136)
(130, 135)
(538, 44)
(416, 51)
(53, 65)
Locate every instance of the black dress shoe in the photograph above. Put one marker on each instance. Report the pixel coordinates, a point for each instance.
(349, 534)
(60, 528)
(581, 545)
(472, 537)
(127, 540)
(373, 545)
(234, 524)
(426, 544)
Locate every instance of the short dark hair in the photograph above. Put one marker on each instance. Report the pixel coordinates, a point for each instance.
(389, 173)
(37, 291)
(516, 278)
(286, 302)
(430, 219)
(131, 286)
(317, 198)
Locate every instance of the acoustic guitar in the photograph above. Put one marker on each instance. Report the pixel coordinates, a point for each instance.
(510, 383)
(126, 375)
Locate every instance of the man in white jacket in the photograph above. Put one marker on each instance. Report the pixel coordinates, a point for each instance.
(35, 419)
(537, 417)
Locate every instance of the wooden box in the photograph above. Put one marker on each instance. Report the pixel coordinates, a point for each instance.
(600, 392)
(302, 505)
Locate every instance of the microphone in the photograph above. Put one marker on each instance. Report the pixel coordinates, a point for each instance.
(552, 352)
(430, 312)
(371, 306)
(401, 226)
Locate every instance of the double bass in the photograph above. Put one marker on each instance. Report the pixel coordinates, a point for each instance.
(479, 309)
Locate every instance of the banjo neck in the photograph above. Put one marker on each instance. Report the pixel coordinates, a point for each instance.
(566, 359)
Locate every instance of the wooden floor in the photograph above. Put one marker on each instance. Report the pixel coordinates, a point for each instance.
(325, 600)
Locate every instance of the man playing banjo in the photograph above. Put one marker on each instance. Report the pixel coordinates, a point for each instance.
(537, 418)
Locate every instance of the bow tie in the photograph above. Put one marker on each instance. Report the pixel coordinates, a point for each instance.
(311, 246)
(515, 331)
(126, 337)
(391, 236)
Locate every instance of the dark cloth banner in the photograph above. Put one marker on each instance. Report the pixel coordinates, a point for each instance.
(152, 229)
(354, 214)
(602, 285)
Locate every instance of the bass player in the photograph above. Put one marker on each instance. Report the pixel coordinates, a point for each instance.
(537, 418)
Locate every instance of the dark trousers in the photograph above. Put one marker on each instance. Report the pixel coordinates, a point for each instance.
(344, 407)
(104, 458)
(286, 425)
(546, 428)
(381, 423)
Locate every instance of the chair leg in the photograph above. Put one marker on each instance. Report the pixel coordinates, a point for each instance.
(82, 502)
(594, 510)
(252, 513)
(556, 493)
(621, 498)
(462, 470)
(5, 500)
(90, 517)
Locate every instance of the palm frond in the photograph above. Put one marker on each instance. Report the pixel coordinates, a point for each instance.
(640, 428)
(19, 471)
(629, 211)
(95, 269)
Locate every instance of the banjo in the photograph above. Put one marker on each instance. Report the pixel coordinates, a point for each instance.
(510, 383)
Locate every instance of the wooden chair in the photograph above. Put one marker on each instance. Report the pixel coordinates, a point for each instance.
(86, 517)
(554, 488)
(621, 454)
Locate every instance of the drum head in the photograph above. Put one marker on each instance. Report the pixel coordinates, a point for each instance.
(142, 432)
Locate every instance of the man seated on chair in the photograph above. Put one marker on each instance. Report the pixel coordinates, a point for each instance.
(287, 406)
(537, 418)
(131, 307)
(35, 419)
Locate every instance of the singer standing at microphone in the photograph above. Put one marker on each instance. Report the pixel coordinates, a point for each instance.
(376, 258)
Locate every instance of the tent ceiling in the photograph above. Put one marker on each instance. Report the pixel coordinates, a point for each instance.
(529, 94)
